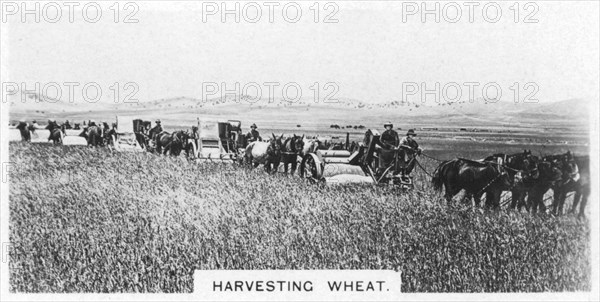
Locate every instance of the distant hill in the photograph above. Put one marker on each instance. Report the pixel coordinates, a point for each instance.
(306, 110)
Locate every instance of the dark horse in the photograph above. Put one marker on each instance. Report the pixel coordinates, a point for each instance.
(95, 136)
(267, 153)
(56, 133)
(520, 167)
(472, 176)
(292, 147)
(496, 173)
(582, 186)
(535, 187)
(173, 143)
(576, 178)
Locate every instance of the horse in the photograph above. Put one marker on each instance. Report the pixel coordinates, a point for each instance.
(582, 186)
(173, 143)
(548, 174)
(291, 148)
(267, 153)
(573, 169)
(472, 176)
(521, 167)
(95, 136)
(56, 133)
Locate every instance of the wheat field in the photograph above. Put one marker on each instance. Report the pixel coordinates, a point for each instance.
(91, 220)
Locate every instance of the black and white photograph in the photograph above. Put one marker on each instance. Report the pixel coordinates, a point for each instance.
(299, 150)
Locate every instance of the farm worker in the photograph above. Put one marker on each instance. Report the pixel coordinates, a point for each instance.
(408, 148)
(156, 130)
(389, 143)
(34, 126)
(24, 130)
(67, 125)
(253, 135)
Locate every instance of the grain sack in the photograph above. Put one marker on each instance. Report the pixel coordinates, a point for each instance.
(337, 169)
(348, 179)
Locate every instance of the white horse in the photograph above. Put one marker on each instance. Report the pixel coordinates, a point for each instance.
(266, 153)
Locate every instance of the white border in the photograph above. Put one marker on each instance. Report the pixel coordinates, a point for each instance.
(578, 296)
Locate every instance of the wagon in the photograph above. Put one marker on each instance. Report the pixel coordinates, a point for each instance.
(125, 137)
(342, 166)
(217, 140)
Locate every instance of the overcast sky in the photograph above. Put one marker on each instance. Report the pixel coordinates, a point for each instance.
(369, 53)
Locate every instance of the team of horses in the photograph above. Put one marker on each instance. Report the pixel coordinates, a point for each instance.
(527, 177)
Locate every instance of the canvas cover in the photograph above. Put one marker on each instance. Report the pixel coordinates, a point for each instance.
(125, 140)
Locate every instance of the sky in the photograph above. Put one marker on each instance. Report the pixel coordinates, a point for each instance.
(371, 54)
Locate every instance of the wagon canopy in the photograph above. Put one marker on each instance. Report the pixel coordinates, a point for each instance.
(125, 139)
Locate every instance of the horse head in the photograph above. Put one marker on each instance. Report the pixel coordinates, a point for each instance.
(275, 145)
(569, 169)
(550, 172)
(299, 143)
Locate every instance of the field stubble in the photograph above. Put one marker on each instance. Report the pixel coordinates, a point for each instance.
(122, 222)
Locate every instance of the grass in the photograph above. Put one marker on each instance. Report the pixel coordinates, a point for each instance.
(89, 220)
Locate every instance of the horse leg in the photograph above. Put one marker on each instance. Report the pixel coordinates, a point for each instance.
(556, 200)
(477, 198)
(275, 166)
(513, 201)
(449, 192)
(533, 203)
(521, 203)
(584, 200)
(576, 198)
(561, 203)
(294, 166)
(469, 197)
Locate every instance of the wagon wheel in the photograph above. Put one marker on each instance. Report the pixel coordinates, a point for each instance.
(311, 167)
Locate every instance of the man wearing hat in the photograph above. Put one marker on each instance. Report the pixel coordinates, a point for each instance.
(408, 148)
(24, 130)
(389, 142)
(253, 135)
(156, 130)
(33, 127)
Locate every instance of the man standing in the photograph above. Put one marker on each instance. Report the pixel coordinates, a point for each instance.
(389, 143)
(253, 135)
(33, 127)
